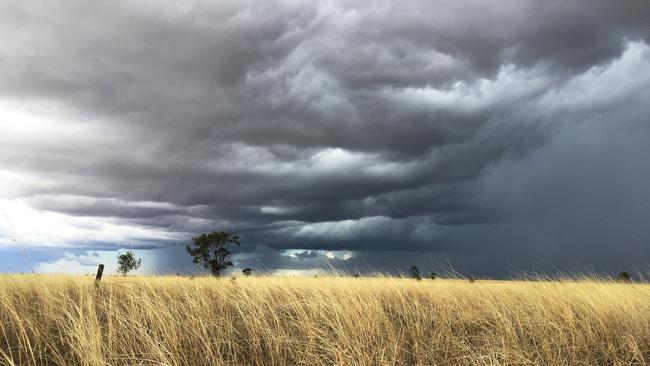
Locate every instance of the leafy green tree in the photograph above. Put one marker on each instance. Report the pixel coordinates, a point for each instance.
(127, 262)
(212, 250)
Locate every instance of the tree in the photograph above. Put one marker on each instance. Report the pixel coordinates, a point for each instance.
(127, 262)
(432, 275)
(247, 271)
(415, 273)
(212, 250)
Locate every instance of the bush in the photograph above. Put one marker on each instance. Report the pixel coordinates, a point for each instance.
(415, 273)
(624, 277)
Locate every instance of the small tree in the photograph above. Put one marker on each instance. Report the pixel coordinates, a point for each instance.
(247, 271)
(415, 273)
(432, 275)
(624, 277)
(212, 250)
(127, 262)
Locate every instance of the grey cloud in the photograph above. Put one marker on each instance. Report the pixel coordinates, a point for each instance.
(306, 254)
(85, 206)
(395, 126)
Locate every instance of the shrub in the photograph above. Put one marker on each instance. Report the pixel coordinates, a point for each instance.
(247, 271)
(415, 273)
(624, 277)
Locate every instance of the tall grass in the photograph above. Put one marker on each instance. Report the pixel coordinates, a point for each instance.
(59, 320)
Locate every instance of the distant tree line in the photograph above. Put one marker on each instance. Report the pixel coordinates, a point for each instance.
(213, 251)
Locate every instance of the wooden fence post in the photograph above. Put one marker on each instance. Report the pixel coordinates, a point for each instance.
(100, 272)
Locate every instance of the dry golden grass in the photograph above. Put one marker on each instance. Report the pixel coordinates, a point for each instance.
(59, 320)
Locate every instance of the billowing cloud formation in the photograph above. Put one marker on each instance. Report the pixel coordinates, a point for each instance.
(510, 134)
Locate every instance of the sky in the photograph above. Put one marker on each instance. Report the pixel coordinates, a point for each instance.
(490, 138)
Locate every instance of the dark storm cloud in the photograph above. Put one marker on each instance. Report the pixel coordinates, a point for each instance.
(84, 206)
(408, 126)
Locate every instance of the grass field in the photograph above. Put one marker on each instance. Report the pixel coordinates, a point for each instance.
(65, 320)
